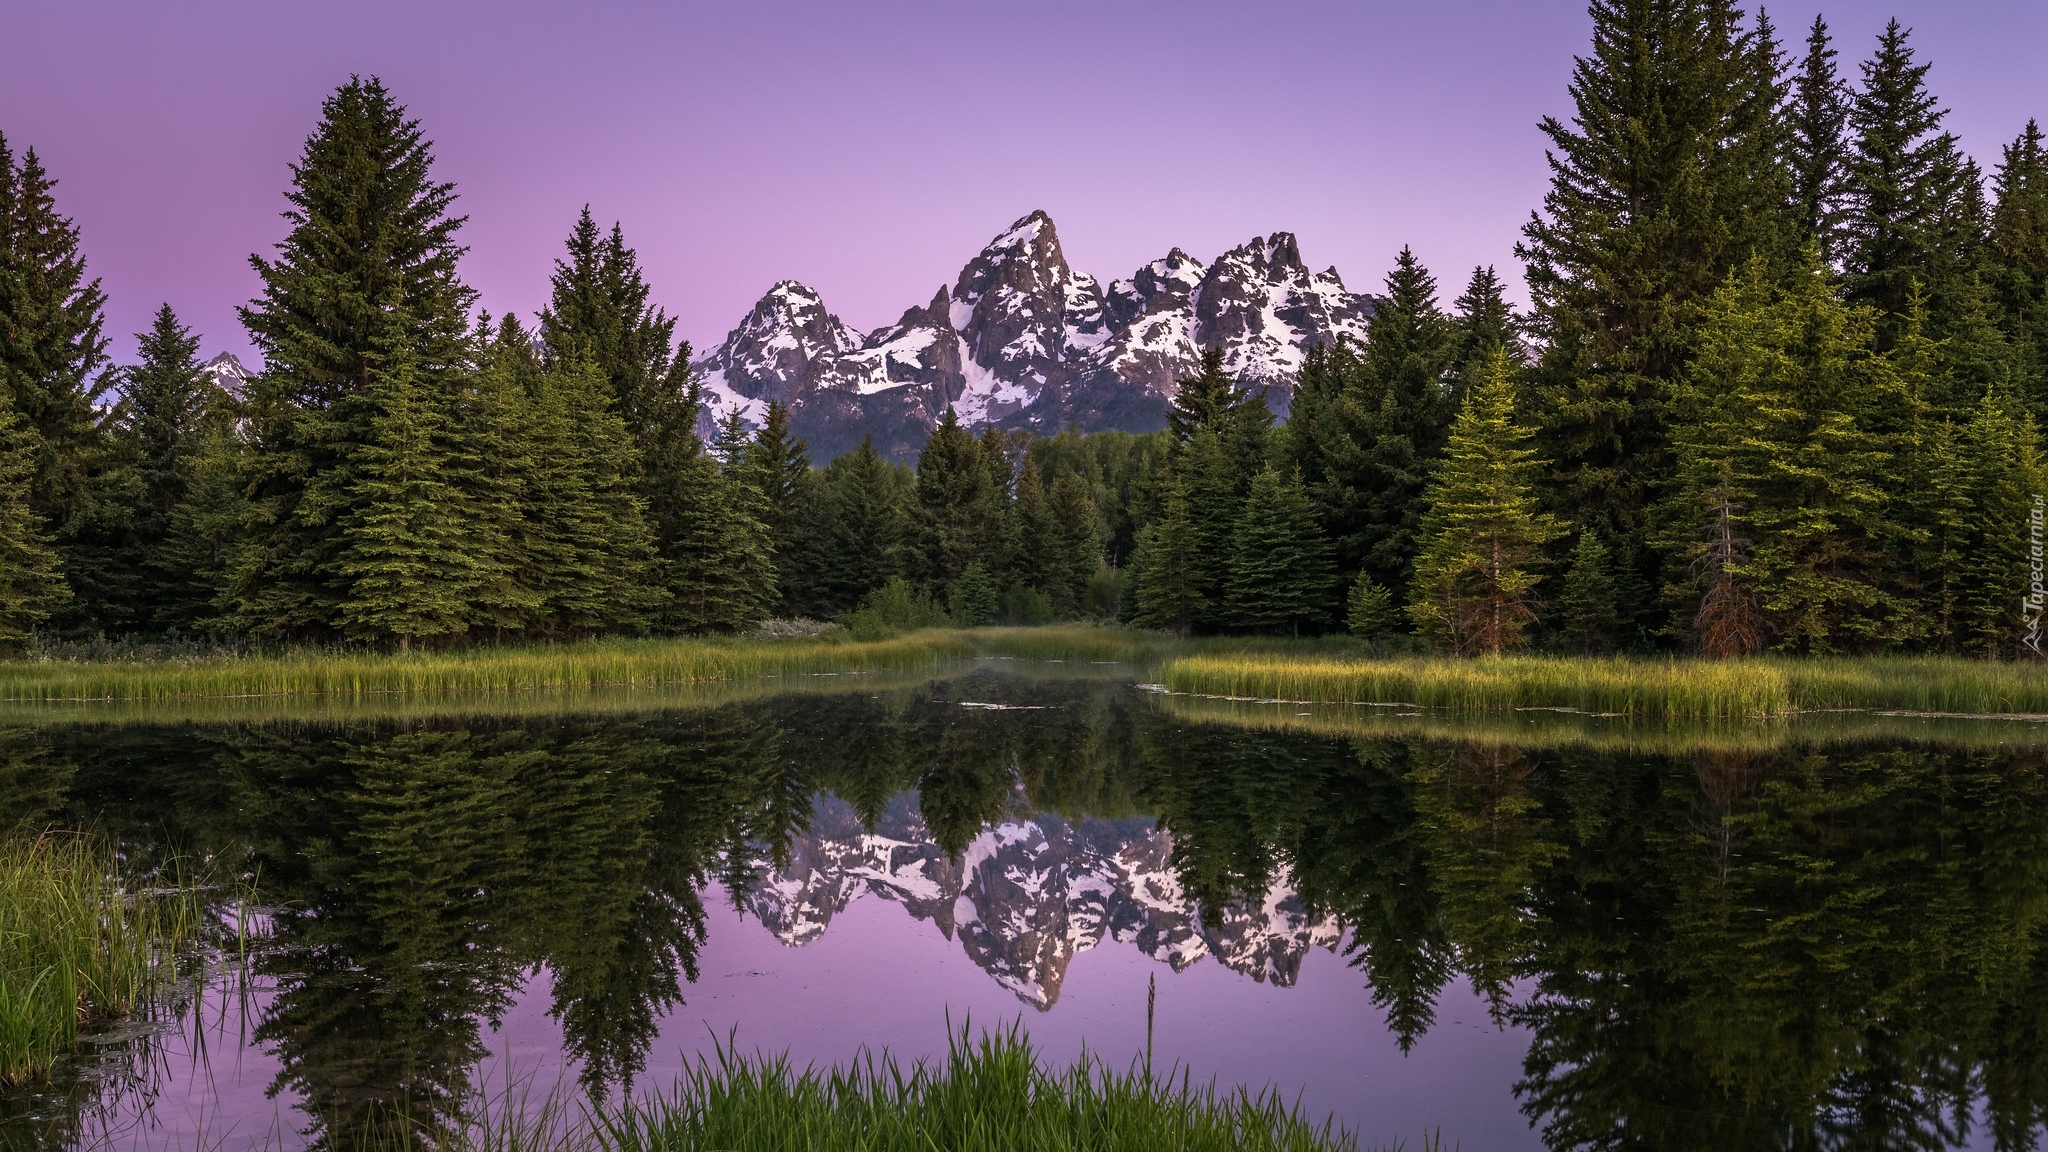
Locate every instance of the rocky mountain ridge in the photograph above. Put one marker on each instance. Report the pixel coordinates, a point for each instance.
(1022, 340)
(1028, 895)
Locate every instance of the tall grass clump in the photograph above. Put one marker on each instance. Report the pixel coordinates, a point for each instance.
(591, 665)
(990, 1095)
(1665, 689)
(77, 946)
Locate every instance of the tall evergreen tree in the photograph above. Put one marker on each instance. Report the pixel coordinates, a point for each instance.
(960, 502)
(1166, 572)
(1668, 176)
(1911, 196)
(1819, 143)
(2019, 255)
(856, 530)
(1031, 531)
(780, 465)
(1484, 323)
(1073, 543)
(1401, 399)
(1475, 579)
(159, 429)
(31, 575)
(1786, 452)
(363, 327)
(1585, 605)
(51, 337)
(1281, 577)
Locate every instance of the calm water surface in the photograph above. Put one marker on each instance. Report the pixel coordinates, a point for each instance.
(1728, 941)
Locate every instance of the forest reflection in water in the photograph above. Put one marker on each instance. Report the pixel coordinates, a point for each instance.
(1825, 944)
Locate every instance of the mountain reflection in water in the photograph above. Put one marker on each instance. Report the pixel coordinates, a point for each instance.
(1818, 945)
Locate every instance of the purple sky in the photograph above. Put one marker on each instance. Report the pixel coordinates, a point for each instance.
(865, 149)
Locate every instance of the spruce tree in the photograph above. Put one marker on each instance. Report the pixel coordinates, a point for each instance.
(1819, 144)
(1784, 452)
(1073, 550)
(1402, 400)
(1668, 175)
(1911, 196)
(972, 598)
(1585, 605)
(1031, 531)
(2019, 258)
(363, 328)
(1484, 323)
(31, 575)
(721, 576)
(960, 504)
(1281, 574)
(159, 430)
(857, 531)
(51, 338)
(1369, 611)
(2001, 474)
(1483, 537)
(780, 465)
(1166, 572)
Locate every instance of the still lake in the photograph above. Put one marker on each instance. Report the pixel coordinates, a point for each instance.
(1540, 932)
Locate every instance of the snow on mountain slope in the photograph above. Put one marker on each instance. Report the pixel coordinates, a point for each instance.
(1022, 340)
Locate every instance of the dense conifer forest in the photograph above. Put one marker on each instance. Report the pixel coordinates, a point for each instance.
(1779, 389)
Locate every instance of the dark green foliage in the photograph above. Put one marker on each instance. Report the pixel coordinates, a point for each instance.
(721, 575)
(779, 466)
(856, 533)
(1073, 550)
(51, 341)
(1369, 611)
(1484, 323)
(2019, 257)
(894, 606)
(1031, 529)
(1281, 576)
(1585, 604)
(1667, 177)
(1483, 537)
(1166, 573)
(31, 575)
(972, 597)
(960, 501)
(1213, 399)
(1819, 144)
(362, 324)
(1026, 606)
(1913, 201)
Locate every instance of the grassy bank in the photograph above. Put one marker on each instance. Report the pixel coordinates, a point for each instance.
(1666, 689)
(75, 947)
(988, 1095)
(587, 666)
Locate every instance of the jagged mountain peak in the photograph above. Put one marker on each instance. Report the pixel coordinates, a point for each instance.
(1021, 339)
(227, 371)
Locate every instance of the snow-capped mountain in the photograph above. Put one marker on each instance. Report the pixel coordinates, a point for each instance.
(1022, 340)
(1028, 895)
(226, 371)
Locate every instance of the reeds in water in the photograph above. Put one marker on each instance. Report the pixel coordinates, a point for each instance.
(76, 945)
(988, 1095)
(1665, 689)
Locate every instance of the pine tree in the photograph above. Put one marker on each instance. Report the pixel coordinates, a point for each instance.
(1281, 574)
(1585, 606)
(1073, 550)
(31, 576)
(858, 530)
(972, 598)
(720, 575)
(1031, 531)
(192, 565)
(1483, 536)
(598, 312)
(1484, 323)
(158, 431)
(1402, 397)
(1784, 453)
(781, 467)
(51, 340)
(960, 503)
(363, 328)
(1668, 176)
(1910, 194)
(2001, 473)
(1166, 572)
(2019, 256)
(1819, 145)
(1369, 610)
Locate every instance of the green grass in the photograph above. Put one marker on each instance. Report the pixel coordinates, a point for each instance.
(76, 948)
(988, 1095)
(593, 665)
(1661, 689)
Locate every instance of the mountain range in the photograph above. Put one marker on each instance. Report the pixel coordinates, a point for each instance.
(1021, 340)
(1028, 895)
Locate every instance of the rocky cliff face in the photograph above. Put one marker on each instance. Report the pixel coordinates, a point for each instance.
(1028, 895)
(1022, 340)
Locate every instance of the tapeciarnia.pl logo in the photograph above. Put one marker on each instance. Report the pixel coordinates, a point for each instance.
(2036, 599)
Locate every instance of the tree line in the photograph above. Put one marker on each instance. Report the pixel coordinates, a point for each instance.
(1778, 388)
